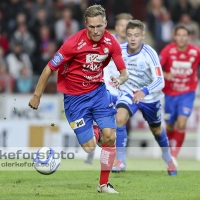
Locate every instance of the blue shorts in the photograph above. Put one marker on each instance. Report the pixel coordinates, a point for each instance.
(150, 111)
(178, 105)
(114, 98)
(83, 109)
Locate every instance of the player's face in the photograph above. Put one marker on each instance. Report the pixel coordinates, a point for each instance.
(181, 37)
(120, 28)
(134, 38)
(96, 26)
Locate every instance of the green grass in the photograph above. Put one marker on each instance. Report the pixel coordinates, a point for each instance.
(144, 180)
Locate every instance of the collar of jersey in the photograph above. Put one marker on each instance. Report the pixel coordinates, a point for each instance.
(134, 54)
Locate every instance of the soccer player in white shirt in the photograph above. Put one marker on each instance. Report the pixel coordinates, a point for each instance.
(143, 90)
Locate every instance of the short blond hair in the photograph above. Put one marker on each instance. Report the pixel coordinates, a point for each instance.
(135, 24)
(94, 11)
(126, 16)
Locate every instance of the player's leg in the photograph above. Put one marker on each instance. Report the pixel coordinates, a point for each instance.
(121, 140)
(97, 134)
(126, 108)
(104, 115)
(184, 109)
(108, 151)
(80, 120)
(171, 114)
(152, 114)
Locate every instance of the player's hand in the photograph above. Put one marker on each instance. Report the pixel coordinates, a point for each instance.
(138, 96)
(34, 102)
(115, 82)
(168, 76)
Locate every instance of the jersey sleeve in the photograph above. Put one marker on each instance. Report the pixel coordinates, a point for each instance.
(63, 55)
(116, 54)
(156, 71)
(163, 57)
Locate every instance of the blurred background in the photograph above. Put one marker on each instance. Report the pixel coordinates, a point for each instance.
(31, 31)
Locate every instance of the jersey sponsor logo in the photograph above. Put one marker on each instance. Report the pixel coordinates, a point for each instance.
(81, 42)
(181, 64)
(107, 40)
(193, 52)
(132, 64)
(81, 45)
(95, 58)
(58, 57)
(167, 116)
(92, 67)
(158, 71)
(181, 68)
(93, 77)
(77, 124)
(173, 50)
(180, 87)
(173, 57)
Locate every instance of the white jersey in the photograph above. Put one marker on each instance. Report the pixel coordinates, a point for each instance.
(111, 70)
(145, 72)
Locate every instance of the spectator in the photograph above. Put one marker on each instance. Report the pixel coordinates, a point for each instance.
(24, 81)
(181, 6)
(6, 80)
(4, 44)
(23, 36)
(66, 26)
(41, 19)
(163, 34)
(40, 5)
(17, 59)
(195, 10)
(13, 8)
(43, 58)
(155, 13)
(78, 8)
(21, 19)
(192, 26)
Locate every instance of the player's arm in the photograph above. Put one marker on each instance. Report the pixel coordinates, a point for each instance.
(59, 59)
(35, 100)
(163, 59)
(158, 80)
(121, 67)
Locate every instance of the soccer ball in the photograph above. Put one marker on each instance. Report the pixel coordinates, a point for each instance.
(46, 161)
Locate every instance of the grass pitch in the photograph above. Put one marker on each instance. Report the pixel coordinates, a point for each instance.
(143, 180)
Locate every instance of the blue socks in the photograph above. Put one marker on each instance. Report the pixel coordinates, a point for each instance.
(121, 142)
(164, 144)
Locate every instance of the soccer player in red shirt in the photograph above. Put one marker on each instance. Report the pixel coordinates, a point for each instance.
(179, 61)
(80, 62)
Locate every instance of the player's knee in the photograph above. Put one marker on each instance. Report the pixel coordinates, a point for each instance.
(181, 126)
(109, 138)
(156, 129)
(89, 149)
(169, 128)
(121, 121)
